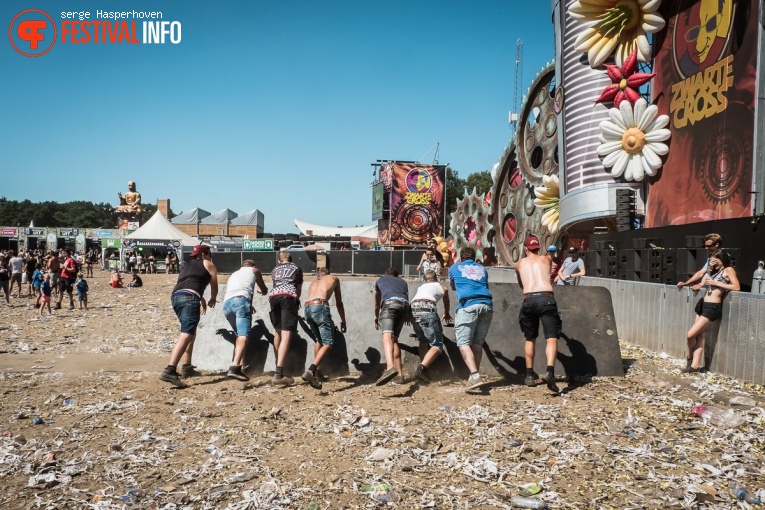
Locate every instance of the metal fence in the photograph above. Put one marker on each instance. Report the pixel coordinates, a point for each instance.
(658, 317)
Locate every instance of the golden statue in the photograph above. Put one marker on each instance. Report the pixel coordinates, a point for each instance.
(131, 202)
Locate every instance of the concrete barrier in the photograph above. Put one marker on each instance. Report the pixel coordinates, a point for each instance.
(589, 345)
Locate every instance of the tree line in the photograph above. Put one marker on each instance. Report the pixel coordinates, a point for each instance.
(77, 214)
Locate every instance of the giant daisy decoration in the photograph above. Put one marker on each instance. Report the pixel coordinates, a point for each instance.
(548, 198)
(632, 142)
(622, 25)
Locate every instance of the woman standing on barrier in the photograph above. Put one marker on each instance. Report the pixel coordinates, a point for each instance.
(720, 279)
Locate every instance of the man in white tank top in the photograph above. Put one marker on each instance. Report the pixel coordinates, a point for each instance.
(237, 307)
(426, 323)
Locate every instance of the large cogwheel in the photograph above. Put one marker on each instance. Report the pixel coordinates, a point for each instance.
(471, 223)
(526, 160)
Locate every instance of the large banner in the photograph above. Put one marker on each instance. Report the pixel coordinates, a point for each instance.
(705, 69)
(416, 197)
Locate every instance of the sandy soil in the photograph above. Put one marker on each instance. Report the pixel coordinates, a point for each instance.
(114, 436)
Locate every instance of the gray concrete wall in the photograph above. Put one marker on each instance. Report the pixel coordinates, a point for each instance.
(589, 346)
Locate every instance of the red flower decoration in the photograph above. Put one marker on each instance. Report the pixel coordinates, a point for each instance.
(625, 82)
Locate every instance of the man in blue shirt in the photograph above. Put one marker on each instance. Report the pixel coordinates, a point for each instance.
(474, 312)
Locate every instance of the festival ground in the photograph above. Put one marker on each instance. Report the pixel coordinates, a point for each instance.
(112, 435)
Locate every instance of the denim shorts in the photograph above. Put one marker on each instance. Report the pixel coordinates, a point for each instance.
(536, 309)
(319, 319)
(392, 317)
(187, 308)
(238, 313)
(471, 324)
(428, 327)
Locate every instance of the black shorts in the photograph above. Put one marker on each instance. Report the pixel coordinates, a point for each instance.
(711, 311)
(284, 313)
(65, 285)
(539, 308)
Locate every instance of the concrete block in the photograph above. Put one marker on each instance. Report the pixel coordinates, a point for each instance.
(589, 344)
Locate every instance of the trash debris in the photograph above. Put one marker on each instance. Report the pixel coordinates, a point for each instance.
(530, 489)
(740, 400)
(719, 417)
(37, 421)
(518, 502)
(743, 495)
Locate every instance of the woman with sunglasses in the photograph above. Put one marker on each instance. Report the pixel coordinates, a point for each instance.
(720, 279)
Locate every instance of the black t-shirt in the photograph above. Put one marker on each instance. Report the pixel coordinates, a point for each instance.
(31, 264)
(287, 279)
(392, 287)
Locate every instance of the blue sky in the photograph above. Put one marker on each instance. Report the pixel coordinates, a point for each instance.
(279, 106)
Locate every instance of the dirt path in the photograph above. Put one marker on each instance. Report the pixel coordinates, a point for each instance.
(114, 436)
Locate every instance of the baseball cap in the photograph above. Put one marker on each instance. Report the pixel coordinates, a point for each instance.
(572, 250)
(552, 248)
(532, 243)
(200, 248)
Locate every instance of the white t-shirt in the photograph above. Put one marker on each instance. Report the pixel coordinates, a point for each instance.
(570, 266)
(240, 283)
(431, 291)
(17, 265)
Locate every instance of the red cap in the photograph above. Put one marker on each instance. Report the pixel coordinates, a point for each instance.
(200, 248)
(532, 243)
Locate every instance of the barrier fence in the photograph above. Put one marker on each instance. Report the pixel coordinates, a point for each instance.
(658, 317)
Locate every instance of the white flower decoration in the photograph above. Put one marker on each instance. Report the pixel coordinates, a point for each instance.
(620, 24)
(548, 197)
(631, 142)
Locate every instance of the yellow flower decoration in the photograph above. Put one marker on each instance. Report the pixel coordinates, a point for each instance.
(616, 24)
(548, 198)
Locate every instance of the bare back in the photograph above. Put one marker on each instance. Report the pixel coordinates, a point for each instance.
(323, 287)
(534, 273)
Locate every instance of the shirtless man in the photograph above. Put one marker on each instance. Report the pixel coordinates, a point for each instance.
(319, 318)
(538, 305)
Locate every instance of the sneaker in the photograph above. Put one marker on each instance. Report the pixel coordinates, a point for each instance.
(531, 380)
(282, 381)
(311, 379)
(386, 376)
(549, 380)
(422, 375)
(398, 380)
(189, 371)
(235, 372)
(475, 381)
(57, 307)
(690, 370)
(172, 379)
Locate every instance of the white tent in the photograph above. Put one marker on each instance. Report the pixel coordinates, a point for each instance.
(356, 233)
(158, 228)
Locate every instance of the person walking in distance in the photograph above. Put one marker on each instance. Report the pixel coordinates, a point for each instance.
(427, 324)
(284, 298)
(237, 308)
(319, 319)
(66, 280)
(474, 312)
(188, 303)
(391, 313)
(538, 305)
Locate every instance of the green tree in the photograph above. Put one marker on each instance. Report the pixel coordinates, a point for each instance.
(455, 189)
(481, 181)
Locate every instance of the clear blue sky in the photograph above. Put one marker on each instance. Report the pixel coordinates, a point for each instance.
(272, 105)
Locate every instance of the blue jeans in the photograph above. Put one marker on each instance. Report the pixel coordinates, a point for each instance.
(319, 319)
(238, 313)
(472, 324)
(186, 308)
(428, 327)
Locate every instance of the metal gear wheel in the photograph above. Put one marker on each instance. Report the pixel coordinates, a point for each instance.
(471, 223)
(530, 156)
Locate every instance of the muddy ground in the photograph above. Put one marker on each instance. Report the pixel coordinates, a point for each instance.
(87, 424)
